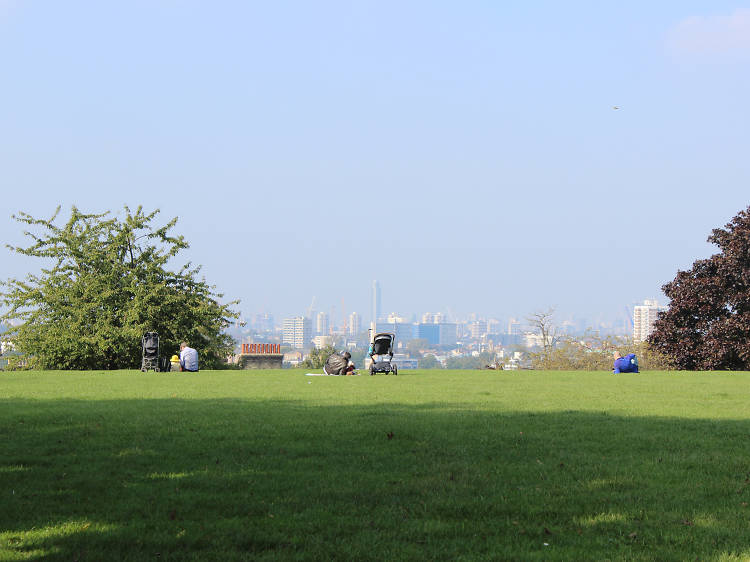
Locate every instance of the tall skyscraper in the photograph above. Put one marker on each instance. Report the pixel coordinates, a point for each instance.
(375, 302)
(297, 332)
(644, 316)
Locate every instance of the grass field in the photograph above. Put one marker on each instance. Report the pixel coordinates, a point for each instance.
(429, 465)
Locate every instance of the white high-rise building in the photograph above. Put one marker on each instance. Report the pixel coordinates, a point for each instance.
(644, 316)
(321, 324)
(477, 329)
(355, 324)
(297, 332)
(433, 318)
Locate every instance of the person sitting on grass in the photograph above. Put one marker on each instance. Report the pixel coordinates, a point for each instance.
(627, 364)
(339, 364)
(188, 358)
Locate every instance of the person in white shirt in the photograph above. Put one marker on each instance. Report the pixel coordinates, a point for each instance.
(188, 358)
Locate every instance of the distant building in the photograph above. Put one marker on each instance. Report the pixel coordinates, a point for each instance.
(403, 361)
(321, 324)
(510, 339)
(448, 333)
(355, 324)
(405, 332)
(644, 316)
(322, 341)
(297, 332)
(433, 318)
(394, 318)
(292, 359)
(477, 329)
(429, 332)
(438, 334)
(533, 340)
(514, 327)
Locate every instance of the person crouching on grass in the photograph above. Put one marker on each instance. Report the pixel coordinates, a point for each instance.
(349, 364)
(188, 358)
(627, 364)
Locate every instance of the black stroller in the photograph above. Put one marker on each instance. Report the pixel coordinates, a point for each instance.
(150, 345)
(382, 344)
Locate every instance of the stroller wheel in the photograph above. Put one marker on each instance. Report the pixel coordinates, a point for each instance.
(143, 369)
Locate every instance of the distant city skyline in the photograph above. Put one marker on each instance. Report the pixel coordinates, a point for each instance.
(322, 323)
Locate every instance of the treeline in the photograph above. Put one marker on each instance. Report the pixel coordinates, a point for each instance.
(592, 352)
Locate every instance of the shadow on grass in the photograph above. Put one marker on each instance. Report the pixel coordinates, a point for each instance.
(236, 479)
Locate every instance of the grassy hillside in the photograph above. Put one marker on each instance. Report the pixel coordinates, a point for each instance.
(470, 465)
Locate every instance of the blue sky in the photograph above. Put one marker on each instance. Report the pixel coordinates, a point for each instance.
(467, 155)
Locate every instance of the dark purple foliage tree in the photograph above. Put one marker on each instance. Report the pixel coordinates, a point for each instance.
(707, 325)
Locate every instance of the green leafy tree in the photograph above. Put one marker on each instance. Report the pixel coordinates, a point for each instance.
(105, 282)
(429, 361)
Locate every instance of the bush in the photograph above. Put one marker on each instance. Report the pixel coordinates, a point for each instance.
(317, 357)
(592, 352)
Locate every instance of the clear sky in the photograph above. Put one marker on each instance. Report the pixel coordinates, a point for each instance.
(466, 154)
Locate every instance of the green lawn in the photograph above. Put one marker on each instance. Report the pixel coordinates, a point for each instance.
(429, 465)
